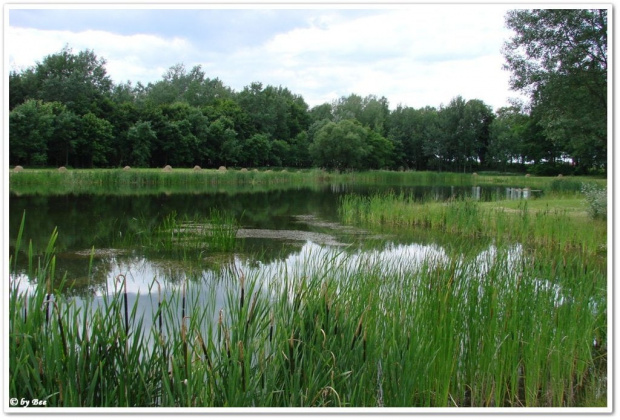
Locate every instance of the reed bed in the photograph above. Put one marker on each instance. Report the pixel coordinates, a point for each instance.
(51, 181)
(550, 228)
(187, 237)
(502, 328)
(145, 178)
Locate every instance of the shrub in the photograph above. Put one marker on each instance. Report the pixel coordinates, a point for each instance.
(596, 198)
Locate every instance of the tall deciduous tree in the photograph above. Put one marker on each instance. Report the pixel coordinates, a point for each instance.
(321, 112)
(297, 154)
(193, 87)
(340, 145)
(275, 112)
(375, 113)
(79, 81)
(380, 151)
(21, 87)
(123, 116)
(31, 126)
(92, 147)
(256, 151)
(457, 148)
(478, 119)
(63, 141)
(223, 141)
(42, 133)
(507, 132)
(140, 138)
(559, 58)
(415, 135)
(280, 153)
(371, 111)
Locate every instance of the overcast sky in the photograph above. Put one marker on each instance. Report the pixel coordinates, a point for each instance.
(414, 55)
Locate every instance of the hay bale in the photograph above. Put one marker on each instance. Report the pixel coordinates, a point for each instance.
(126, 168)
(18, 168)
(222, 169)
(243, 170)
(475, 174)
(167, 168)
(197, 168)
(62, 169)
(560, 176)
(527, 175)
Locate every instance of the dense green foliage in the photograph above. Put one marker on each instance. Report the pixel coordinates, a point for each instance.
(559, 58)
(66, 111)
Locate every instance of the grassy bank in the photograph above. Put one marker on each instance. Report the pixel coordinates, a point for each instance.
(41, 181)
(51, 181)
(503, 328)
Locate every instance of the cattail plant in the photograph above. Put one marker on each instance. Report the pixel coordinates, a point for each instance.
(509, 322)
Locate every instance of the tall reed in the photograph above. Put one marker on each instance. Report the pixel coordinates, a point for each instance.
(469, 218)
(139, 181)
(503, 328)
(174, 235)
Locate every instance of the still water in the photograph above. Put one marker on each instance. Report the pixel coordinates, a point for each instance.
(275, 227)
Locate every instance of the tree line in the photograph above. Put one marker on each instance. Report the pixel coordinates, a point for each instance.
(66, 111)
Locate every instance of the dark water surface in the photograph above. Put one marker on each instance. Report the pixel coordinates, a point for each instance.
(274, 225)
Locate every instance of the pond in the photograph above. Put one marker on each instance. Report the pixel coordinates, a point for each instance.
(301, 308)
(273, 226)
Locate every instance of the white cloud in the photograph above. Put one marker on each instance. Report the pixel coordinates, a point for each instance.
(416, 56)
(418, 33)
(419, 55)
(136, 57)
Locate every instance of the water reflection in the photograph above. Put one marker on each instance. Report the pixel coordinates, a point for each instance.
(84, 221)
(309, 261)
(519, 193)
(274, 225)
(149, 281)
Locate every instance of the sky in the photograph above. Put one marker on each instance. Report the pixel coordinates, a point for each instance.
(413, 55)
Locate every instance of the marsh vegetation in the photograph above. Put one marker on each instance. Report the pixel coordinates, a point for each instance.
(436, 296)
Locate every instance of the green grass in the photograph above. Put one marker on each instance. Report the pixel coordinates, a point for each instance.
(141, 181)
(506, 328)
(556, 223)
(51, 181)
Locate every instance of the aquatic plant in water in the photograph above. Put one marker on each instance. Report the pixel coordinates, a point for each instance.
(187, 236)
(502, 328)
